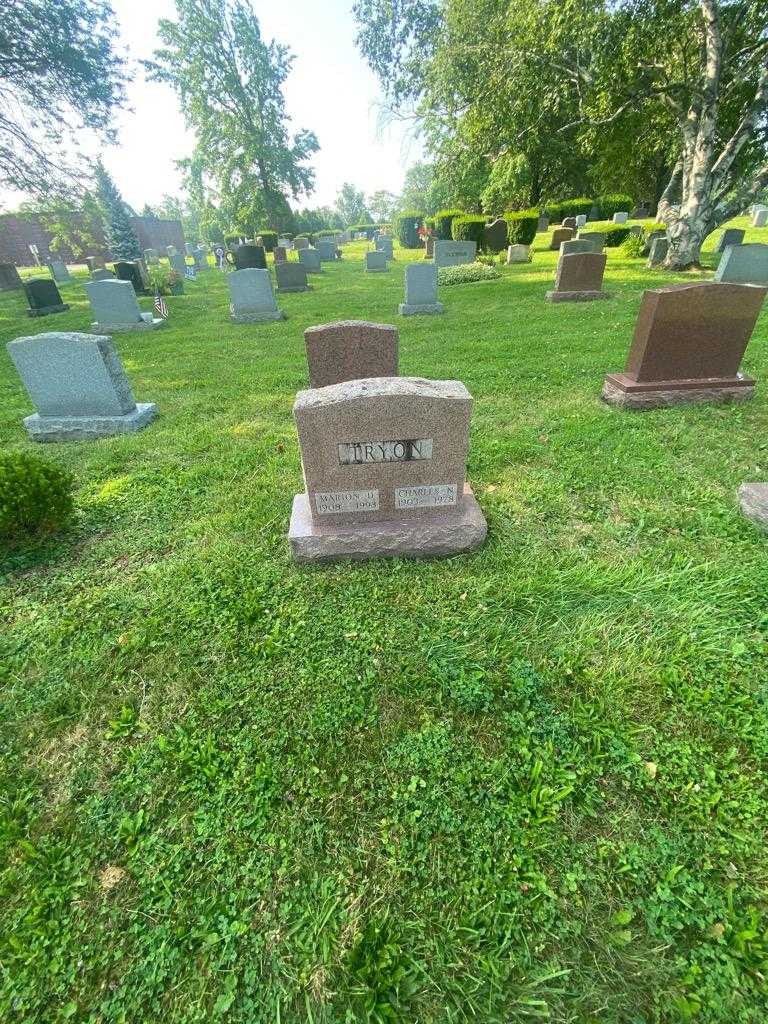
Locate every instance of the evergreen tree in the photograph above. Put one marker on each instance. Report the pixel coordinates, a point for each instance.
(120, 237)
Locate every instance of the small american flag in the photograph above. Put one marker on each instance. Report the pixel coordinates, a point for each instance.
(160, 307)
(189, 273)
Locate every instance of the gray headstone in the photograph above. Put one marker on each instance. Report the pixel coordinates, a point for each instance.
(744, 264)
(201, 259)
(595, 238)
(171, 250)
(78, 386)
(189, 249)
(543, 224)
(651, 237)
(310, 260)
(102, 274)
(376, 262)
(420, 290)
(9, 278)
(59, 272)
(116, 309)
(576, 245)
(253, 300)
(579, 278)
(518, 253)
(386, 245)
(620, 218)
(326, 250)
(150, 255)
(454, 254)
(760, 219)
(659, 250)
(291, 277)
(731, 236)
(569, 222)
(581, 220)
(178, 263)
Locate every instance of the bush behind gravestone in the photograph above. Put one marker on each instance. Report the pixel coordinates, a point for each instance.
(369, 229)
(35, 495)
(408, 224)
(614, 202)
(468, 228)
(568, 208)
(615, 236)
(268, 239)
(443, 220)
(522, 225)
(232, 239)
(632, 245)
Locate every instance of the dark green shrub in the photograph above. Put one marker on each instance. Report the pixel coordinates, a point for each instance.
(268, 239)
(443, 220)
(408, 224)
(326, 234)
(575, 207)
(468, 228)
(232, 239)
(522, 226)
(615, 236)
(613, 203)
(35, 494)
(552, 210)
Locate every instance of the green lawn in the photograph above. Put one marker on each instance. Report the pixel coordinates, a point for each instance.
(526, 784)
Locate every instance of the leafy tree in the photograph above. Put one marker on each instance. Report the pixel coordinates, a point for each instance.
(148, 211)
(321, 219)
(59, 74)
(73, 223)
(351, 205)
(119, 234)
(382, 205)
(230, 83)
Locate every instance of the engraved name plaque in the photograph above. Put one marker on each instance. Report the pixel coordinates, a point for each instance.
(329, 502)
(360, 453)
(427, 496)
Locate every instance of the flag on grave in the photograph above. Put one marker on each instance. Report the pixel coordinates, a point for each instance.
(160, 307)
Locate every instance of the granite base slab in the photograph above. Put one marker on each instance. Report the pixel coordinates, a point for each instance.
(376, 270)
(575, 296)
(50, 429)
(426, 309)
(297, 288)
(47, 310)
(753, 499)
(622, 391)
(438, 536)
(257, 318)
(139, 325)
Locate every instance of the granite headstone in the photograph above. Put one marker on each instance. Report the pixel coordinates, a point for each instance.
(43, 297)
(579, 278)
(420, 291)
(291, 277)
(349, 349)
(116, 310)
(253, 300)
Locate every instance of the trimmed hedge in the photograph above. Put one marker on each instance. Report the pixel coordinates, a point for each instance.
(369, 229)
(616, 236)
(615, 202)
(468, 228)
(327, 233)
(568, 208)
(522, 226)
(35, 494)
(443, 219)
(408, 224)
(268, 239)
(232, 239)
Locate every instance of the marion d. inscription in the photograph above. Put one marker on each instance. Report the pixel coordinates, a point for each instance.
(336, 502)
(360, 453)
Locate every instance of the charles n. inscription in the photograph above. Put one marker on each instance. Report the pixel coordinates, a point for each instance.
(361, 453)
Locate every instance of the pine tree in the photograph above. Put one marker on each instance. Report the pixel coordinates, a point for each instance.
(120, 237)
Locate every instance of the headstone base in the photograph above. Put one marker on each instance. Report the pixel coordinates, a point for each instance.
(575, 296)
(257, 318)
(376, 270)
(622, 391)
(147, 323)
(428, 309)
(46, 310)
(439, 536)
(753, 499)
(88, 428)
(297, 288)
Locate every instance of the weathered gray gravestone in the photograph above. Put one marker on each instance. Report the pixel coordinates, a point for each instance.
(179, 264)
(310, 260)
(518, 253)
(189, 249)
(386, 245)
(543, 223)
(43, 297)
(326, 250)
(253, 300)
(171, 250)
(59, 272)
(280, 254)
(560, 235)
(420, 290)
(384, 462)
(581, 220)
(753, 500)
(78, 386)
(620, 218)
(569, 222)
(116, 309)
(731, 236)
(350, 349)
(651, 238)
(579, 278)
(201, 259)
(760, 219)
(595, 238)
(102, 274)
(150, 255)
(301, 242)
(376, 262)
(744, 264)
(496, 235)
(291, 277)
(571, 245)
(9, 278)
(659, 250)
(454, 254)
(688, 345)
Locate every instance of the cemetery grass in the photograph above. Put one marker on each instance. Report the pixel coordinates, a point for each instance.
(526, 784)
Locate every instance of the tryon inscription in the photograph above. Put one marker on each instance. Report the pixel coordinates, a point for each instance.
(359, 453)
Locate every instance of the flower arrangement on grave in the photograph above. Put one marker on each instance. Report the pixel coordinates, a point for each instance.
(164, 280)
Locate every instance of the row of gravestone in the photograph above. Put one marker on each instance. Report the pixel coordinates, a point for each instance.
(384, 457)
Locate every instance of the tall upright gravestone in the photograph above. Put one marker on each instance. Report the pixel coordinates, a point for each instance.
(384, 464)
(744, 264)
(310, 260)
(349, 349)
(253, 300)
(116, 310)
(579, 278)
(43, 297)
(291, 277)
(688, 345)
(59, 271)
(560, 235)
(420, 291)
(9, 278)
(78, 386)
(731, 236)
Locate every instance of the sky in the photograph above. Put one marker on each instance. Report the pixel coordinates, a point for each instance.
(330, 91)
